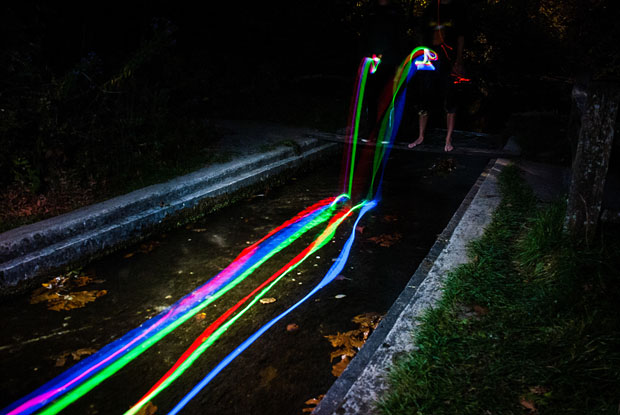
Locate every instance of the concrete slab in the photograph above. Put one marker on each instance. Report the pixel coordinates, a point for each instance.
(465, 143)
(44, 246)
(365, 379)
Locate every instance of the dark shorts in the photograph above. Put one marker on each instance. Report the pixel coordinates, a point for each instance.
(436, 88)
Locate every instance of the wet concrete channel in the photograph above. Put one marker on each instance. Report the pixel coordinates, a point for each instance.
(283, 369)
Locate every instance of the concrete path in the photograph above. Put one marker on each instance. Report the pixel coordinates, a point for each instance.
(365, 379)
(262, 152)
(465, 143)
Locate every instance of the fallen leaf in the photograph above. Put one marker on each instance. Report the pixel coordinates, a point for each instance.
(360, 228)
(61, 360)
(129, 255)
(347, 344)
(292, 327)
(148, 409)
(199, 230)
(267, 375)
(528, 405)
(369, 320)
(267, 300)
(313, 403)
(385, 240)
(57, 293)
(201, 316)
(339, 296)
(339, 367)
(75, 355)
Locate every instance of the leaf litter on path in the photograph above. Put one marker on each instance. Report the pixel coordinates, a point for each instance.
(313, 402)
(59, 292)
(75, 355)
(347, 344)
(148, 409)
(386, 240)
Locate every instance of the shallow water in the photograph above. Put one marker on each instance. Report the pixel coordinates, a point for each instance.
(281, 370)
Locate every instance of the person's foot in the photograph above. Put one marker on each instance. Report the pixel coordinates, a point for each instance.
(448, 148)
(417, 142)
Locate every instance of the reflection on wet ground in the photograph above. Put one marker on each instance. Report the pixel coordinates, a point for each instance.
(288, 365)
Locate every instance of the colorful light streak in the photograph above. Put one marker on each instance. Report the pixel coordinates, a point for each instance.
(368, 65)
(87, 374)
(333, 272)
(214, 331)
(426, 63)
(393, 110)
(117, 354)
(388, 129)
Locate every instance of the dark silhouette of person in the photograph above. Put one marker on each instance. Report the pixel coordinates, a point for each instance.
(383, 36)
(443, 27)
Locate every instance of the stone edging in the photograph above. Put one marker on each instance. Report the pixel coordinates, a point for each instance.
(362, 383)
(48, 245)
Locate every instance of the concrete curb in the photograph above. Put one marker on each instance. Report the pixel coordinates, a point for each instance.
(366, 377)
(44, 246)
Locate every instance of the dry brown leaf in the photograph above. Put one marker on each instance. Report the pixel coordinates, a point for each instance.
(313, 403)
(529, 405)
(339, 367)
(58, 294)
(267, 300)
(342, 339)
(370, 320)
(61, 360)
(199, 230)
(200, 316)
(77, 355)
(129, 255)
(347, 344)
(385, 240)
(73, 300)
(148, 409)
(267, 375)
(292, 327)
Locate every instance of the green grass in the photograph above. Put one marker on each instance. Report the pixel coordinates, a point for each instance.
(546, 331)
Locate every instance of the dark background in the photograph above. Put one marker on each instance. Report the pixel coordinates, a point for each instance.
(100, 97)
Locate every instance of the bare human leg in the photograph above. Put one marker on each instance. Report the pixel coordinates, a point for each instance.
(423, 120)
(450, 118)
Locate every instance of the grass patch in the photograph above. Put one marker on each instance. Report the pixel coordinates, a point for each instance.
(529, 325)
